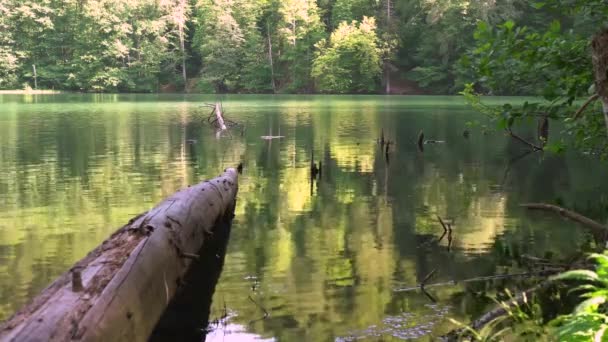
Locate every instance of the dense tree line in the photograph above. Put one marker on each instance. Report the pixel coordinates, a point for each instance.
(281, 46)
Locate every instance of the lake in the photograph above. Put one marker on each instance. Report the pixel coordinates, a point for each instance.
(338, 258)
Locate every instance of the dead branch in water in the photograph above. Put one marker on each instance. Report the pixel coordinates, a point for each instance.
(420, 141)
(217, 118)
(427, 278)
(261, 308)
(445, 227)
(540, 273)
(543, 130)
(524, 141)
(587, 222)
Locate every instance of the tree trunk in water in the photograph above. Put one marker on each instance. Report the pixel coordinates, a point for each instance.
(120, 289)
(600, 68)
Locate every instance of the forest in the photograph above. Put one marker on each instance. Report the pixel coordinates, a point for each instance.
(272, 46)
(526, 133)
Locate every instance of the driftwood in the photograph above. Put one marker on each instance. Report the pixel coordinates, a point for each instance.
(270, 136)
(120, 289)
(587, 222)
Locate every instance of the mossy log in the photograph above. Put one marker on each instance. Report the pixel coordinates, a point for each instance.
(120, 289)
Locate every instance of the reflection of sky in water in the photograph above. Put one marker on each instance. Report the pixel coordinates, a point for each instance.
(225, 331)
(324, 257)
(234, 332)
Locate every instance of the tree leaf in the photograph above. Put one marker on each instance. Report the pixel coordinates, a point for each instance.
(585, 275)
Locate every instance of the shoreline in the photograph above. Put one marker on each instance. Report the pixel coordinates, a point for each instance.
(30, 92)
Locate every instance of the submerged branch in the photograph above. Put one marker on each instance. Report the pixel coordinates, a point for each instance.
(587, 222)
(261, 308)
(541, 273)
(445, 228)
(524, 141)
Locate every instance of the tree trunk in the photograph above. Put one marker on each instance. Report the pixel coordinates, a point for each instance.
(121, 288)
(182, 44)
(35, 76)
(600, 68)
(272, 83)
(387, 78)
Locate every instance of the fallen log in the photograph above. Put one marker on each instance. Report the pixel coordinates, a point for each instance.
(120, 289)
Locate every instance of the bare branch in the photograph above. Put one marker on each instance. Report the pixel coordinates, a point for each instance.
(587, 222)
(524, 141)
(579, 113)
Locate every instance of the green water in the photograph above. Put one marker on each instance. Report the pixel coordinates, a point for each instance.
(331, 262)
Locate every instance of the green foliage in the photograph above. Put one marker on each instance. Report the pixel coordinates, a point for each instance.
(350, 62)
(512, 60)
(349, 10)
(271, 45)
(522, 322)
(589, 320)
(8, 57)
(436, 34)
(427, 76)
(550, 62)
(300, 28)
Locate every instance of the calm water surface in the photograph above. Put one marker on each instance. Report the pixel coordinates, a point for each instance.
(331, 259)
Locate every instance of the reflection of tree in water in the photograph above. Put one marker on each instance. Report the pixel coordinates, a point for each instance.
(325, 265)
(361, 229)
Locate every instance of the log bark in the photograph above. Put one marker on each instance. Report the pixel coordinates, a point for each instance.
(127, 282)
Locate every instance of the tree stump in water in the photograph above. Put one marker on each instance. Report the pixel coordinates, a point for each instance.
(120, 289)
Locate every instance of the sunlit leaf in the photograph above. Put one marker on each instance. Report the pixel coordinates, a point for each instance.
(583, 275)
